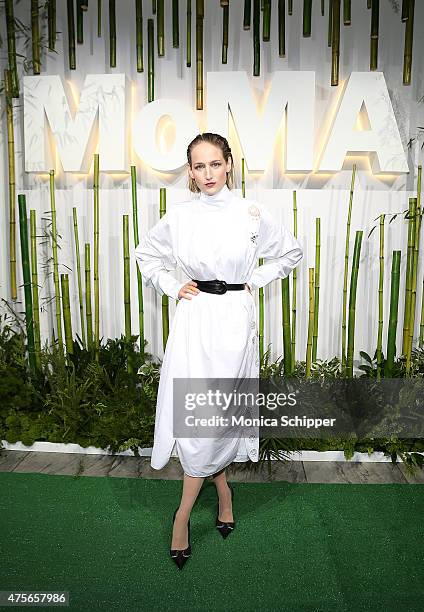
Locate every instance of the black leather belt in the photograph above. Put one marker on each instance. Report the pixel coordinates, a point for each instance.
(218, 286)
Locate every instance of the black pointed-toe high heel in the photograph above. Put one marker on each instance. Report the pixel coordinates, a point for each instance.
(181, 556)
(225, 528)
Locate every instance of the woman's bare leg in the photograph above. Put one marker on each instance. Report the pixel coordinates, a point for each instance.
(224, 494)
(191, 488)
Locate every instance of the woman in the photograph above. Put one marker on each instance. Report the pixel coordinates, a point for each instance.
(217, 237)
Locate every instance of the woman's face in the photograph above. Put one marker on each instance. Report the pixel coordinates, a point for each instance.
(208, 168)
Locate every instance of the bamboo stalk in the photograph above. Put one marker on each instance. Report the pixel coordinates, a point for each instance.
(256, 39)
(307, 18)
(96, 257)
(294, 307)
(55, 261)
(80, 23)
(84, 5)
(415, 260)
(112, 33)
(99, 18)
(71, 35)
(67, 322)
(261, 319)
(88, 311)
(393, 315)
(322, 8)
(139, 34)
(282, 28)
(160, 27)
(12, 185)
(11, 48)
(335, 43)
(200, 13)
(346, 265)
(188, 34)
(136, 242)
(247, 14)
(330, 23)
(79, 280)
(35, 33)
(127, 284)
(285, 304)
(154, 7)
(369, 2)
(352, 304)
(409, 35)
(375, 17)
(51, 20)
(310, 324)
(347, 12)
(243, 182)
(175, 24)
(26, 274)
(165, 299)
(405, 10)
(290, 7)
(266, 21)
(408, 282)
(150, 62)
(34, 286)
(225, 20)
(380, 301)
(316, 286)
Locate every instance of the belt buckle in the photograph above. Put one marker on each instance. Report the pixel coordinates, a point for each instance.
(223, 288)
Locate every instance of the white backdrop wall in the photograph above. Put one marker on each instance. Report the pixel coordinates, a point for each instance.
(325, 196)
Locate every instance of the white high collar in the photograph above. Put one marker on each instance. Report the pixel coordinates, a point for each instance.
(221, 198)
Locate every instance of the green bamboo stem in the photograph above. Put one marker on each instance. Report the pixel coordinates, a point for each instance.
(380, 301)
(225, 21)
(347, 12)
(266, 21)
(200, 14)
(67, 322)
(322, 8)
(352, 304)
(285, 309)
(51, 21)
(316, 286)
(409, 35)
(405, 10)
(112, 33)
(78, 260)
(165, 300)
(282, 28)
(96, 257)
(11, 48)
(136, 242)
(243, 178)
(290, 7)
(310, 324)
(127, 284)
(12, 185)
(294, 307)
(409, 272)
(393, 315)
(160, 27)
(346, 266)
(55, 261)
(88, 311)
(335, 43)
(307, 18)
(154, 7)
(261, 319)
(35, 33)
(247, 14)
(415, 260)
(421, 341)
(139, 34)
(256, 39)
(99, 18)
(369, 3)
(150, 61)
(175, 24)
(80, 23)
(330, 23)
(34, 286)
(71, 35)
(375, 17)
(84, 5)
(188, 34)
(26, 274)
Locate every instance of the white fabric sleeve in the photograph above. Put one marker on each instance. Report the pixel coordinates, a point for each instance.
(275, 242)
(155, 259)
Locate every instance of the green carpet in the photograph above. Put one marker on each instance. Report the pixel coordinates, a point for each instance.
(295, 546)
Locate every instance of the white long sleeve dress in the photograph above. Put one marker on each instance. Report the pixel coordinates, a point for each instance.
(212, 336)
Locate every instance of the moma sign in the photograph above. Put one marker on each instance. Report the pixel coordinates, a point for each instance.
(101, 118)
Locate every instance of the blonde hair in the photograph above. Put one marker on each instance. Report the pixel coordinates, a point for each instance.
(221, 143)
